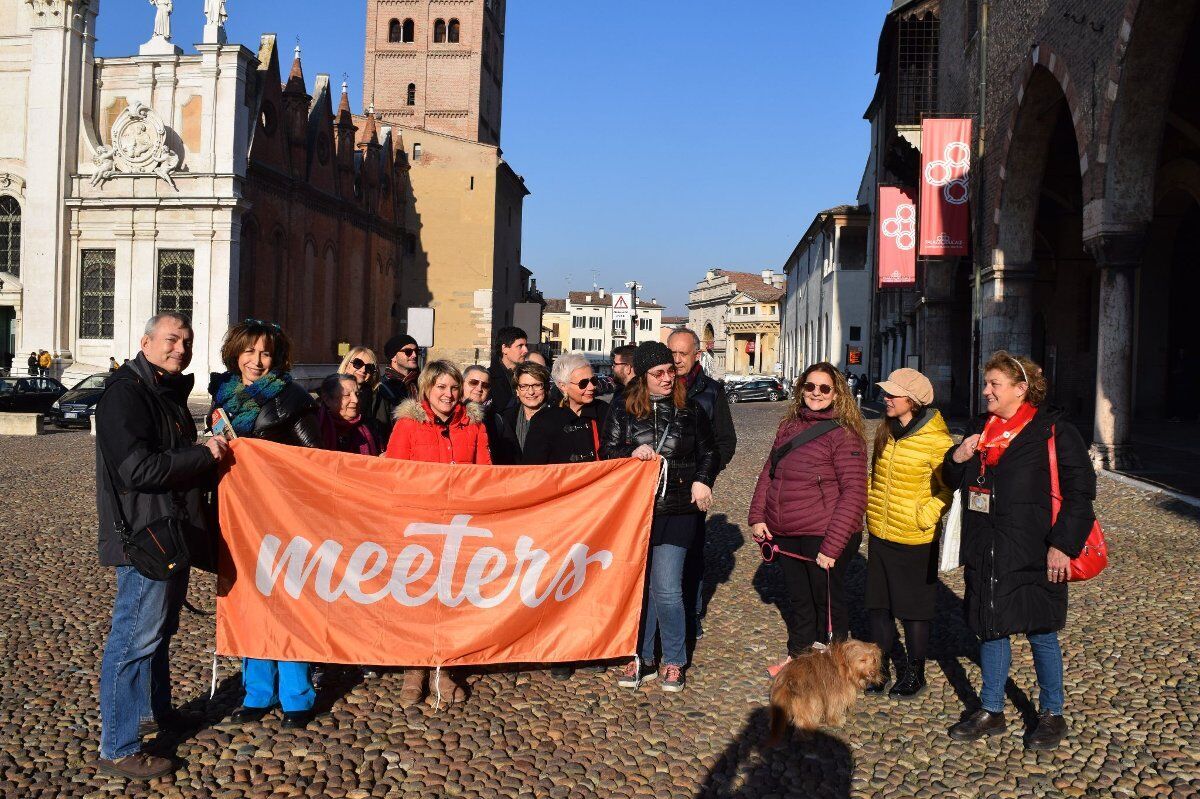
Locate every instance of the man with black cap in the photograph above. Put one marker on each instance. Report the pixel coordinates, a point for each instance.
(398, 381)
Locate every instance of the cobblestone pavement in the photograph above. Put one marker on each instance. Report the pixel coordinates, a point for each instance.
(1132, 671)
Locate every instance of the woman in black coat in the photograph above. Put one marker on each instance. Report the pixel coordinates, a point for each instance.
(261, 401)
(656, 418)
(569, 433)
(1016, 560)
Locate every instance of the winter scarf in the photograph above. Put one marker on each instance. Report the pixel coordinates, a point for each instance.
(340, 435)
(242, 403)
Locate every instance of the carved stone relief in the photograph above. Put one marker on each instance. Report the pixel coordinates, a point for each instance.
(138, 147)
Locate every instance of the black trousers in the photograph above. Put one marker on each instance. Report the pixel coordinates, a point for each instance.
(804, 609)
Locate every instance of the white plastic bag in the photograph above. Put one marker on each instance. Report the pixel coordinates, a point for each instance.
(949, 559)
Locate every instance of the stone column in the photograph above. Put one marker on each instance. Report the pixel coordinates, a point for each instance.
(1006, 315)
(1117, 256)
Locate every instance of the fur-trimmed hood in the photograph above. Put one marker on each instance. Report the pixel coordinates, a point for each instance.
(420, 412)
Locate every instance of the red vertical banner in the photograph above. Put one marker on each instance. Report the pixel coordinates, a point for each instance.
(897, 215)
(945, 186)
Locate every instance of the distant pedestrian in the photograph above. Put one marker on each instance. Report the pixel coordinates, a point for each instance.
(657, 419)
(397, 380)
(32, 363)
(148, 466)
(437, 428)
(512, 348)
(112, 364)
(810, 504)
(531, 381)
(709, 396)
(45, 361)
(1016, 560)
(261, 401)
(344, 428)
(905, 502)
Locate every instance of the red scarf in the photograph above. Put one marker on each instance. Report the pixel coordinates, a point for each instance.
(356, 436)
(999, 433)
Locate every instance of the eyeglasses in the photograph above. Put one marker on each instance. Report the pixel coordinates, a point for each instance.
(527, 387)
(481, 383)
(585, 382)
(813, 388)
(621, 363)
(261, 323)
(408, 352)
(359, 363)
(661, 375)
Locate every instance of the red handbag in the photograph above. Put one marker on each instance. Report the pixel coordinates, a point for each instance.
(1094, 556)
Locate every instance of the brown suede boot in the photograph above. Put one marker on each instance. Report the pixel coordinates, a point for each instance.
(451, 691)
(413, 689)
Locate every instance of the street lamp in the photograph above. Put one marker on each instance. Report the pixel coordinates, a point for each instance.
(634, 287)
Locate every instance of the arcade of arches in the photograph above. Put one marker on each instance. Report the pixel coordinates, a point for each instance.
(1092, 273)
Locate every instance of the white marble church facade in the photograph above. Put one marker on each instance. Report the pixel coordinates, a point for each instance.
(126, 177)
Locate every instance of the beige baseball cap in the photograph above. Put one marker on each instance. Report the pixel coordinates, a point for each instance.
(909, 383)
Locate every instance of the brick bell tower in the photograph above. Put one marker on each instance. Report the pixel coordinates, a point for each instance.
(437, 65)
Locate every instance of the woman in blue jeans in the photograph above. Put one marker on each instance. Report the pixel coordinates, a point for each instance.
(261, 401)
(1016, 555)
(655, 418)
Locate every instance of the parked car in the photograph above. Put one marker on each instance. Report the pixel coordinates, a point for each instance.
(29, 394)
(769, 389)
(77, 405)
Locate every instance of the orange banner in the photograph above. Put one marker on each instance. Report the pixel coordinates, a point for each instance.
(335, 558)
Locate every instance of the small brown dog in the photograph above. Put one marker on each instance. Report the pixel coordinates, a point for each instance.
(818, 687)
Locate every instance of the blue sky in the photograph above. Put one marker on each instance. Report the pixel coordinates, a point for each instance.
(657, 143)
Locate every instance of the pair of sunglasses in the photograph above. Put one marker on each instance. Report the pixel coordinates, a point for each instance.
(585, 382)
(408, 352)
(261, 323)
(476, 382)
(813, 388)
(359, 363)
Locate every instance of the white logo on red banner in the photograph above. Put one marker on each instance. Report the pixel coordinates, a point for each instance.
(902, 227)
(955, 160)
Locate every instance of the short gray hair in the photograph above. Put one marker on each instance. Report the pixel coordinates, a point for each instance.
(331, 386)
(686, 331)
(565, 364)
(152, 322)
(474, 368)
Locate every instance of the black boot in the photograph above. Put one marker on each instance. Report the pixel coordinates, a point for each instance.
(1048, 734)
(912, 683)
(977, 725)
(877, 688)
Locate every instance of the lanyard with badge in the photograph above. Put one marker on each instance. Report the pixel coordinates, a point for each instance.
(979, 498)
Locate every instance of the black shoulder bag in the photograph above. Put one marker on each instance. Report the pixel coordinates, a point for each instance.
(816, 431)
(158, 550)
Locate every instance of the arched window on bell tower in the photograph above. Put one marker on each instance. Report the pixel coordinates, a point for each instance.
(394, 31)
(410, 31)
(439, 31)
(453, 32)
(411, 99)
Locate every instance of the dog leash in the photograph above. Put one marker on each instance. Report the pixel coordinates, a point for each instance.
(769, 552)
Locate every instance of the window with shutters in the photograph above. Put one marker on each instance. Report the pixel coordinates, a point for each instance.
(175, 273)
(97, 285)
(10, 236)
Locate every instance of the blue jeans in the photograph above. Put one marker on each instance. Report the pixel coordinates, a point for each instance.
(663, 613)
(995, 657)
(135, 675)
(278, 682)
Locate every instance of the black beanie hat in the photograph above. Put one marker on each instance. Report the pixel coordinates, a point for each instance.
(649, 355)
(397, 343)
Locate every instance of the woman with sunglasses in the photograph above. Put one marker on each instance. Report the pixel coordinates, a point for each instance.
(477, 388)
(569, 433)
(438, 428)
(1016, 558)
(655, 419)
(261, 401)
(904, 505)
(810, 505)
(361, 364)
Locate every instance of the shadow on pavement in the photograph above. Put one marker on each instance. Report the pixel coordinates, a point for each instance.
(816, 766)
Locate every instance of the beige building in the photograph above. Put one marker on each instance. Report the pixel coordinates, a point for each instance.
(556, 327)
(434, 72)
(736, 315)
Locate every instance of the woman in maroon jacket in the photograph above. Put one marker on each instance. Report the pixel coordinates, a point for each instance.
(813, 505)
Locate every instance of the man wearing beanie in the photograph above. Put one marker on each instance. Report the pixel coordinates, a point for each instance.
(398, 381)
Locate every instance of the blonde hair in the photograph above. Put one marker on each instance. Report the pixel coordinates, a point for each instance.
(1020, 369)
(358, 352)
(430, 374)
(845, 409)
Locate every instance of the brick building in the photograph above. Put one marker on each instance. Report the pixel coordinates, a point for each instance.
(1085, 192)
(434, 71)
(322, 241)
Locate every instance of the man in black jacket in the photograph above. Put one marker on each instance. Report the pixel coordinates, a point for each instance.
(148, 465)
(397, 382)
(709, 394)
(512, 347)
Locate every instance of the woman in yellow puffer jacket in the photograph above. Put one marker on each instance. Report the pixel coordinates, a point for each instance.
(905, 502)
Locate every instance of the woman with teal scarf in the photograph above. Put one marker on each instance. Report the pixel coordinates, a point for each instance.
(261, 401)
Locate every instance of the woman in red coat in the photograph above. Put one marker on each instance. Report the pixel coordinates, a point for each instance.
(437, 429)
(812, 505)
